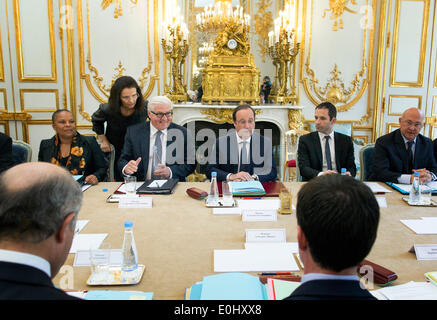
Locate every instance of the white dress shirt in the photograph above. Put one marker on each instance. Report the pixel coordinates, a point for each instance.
(26, 259)
(331, 148)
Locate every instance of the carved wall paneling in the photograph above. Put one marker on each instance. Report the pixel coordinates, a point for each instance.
(2, 71)
(406, 63)
(109, 49)
(336, 62)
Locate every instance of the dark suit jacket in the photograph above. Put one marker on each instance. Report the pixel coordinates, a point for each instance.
(6, 159)
(330, 290)
(137, 144)
(22, 282)
(390, 158)
(435, 149)
(310, 158)
(224, 157)
(94, 158)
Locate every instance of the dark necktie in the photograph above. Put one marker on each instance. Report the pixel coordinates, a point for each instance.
(243, 158)
(156, 158)
(410, 156)
(328, 153)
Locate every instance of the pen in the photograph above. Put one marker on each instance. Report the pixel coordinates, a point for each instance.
(275, 273)
(251, 198)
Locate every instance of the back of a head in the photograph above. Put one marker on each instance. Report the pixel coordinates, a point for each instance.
(35, 199)
(339, 216)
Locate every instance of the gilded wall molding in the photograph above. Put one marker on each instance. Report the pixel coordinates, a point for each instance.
(263, 24)
(400, 96)
(24, 91)
(96, 84)
(336, 10)
(2, 70)
(5, 100)
(118, 12)
(222, 115)
(424, 35)
(334, 89)
(19, 46)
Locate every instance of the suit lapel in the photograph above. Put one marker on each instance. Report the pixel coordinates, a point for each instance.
(401, 149)
(338, 152)
(316, 141)
(145, 146)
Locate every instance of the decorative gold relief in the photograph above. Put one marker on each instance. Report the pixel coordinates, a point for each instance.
(118, 9)
(263, 23)
(335, 91)
(295, 119)
(221, 115)
(337, 9)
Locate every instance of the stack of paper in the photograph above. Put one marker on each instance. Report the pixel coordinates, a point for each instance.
(227, 286)
(247, 188)
(408, 291)
(425, 225)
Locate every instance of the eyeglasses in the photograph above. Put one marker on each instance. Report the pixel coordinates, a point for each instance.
(243, 122)
(160, 115)
(127, 98)
(417, 125)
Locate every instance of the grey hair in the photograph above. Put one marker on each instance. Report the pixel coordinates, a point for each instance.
(159, 100)
(35, 213)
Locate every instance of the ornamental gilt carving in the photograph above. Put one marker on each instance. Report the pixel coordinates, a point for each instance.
(118, 9)
(337, 9)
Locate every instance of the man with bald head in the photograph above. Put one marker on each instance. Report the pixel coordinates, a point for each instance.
(399, 154)
(37, 221)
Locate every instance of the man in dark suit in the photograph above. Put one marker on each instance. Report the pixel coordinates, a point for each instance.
(435, 149)
(242, 154)
(331, 252)
(397, 155)
(6, 159)
(158, 149)
(315, 157)
(37, 222)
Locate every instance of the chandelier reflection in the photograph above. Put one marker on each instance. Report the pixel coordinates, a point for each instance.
(283, 51)
(174, 36)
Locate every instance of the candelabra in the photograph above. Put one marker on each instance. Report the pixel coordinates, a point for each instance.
(174, 43)
(283, 51)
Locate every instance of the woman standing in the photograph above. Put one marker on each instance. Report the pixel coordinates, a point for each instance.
(79, 154)
(125, 107)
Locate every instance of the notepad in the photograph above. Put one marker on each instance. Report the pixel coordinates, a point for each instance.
(280, 289)
(247, 188)
(408, 291)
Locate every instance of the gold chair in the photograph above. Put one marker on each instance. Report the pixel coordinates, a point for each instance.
(291, 139)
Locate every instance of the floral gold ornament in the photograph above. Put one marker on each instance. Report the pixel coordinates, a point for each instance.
(263, 23)
(286, 199)
(337, 9)
(118, 8)
(222, 115)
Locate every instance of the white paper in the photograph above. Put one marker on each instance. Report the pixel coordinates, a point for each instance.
(382, 202)
(267, 246)
(135, 202)
(426, 251)
(87, 241)
(376, 187)
(427, 226)
(409, 291)
(259, 215)
(266, 235)
(80, 224)
(225, 211)
(122, 187)
(157, 183)
(253, 261)
(260, 204)
(85, 187)
(82, 258)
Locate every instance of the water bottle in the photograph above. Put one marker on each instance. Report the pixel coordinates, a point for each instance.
(415, 190)
(213, 195)
(343, 171)
(129, 250)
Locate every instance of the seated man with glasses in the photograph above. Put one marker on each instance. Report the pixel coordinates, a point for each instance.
(242, 154)
(400, 153)
(157, 149)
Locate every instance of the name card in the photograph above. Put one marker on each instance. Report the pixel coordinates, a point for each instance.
(426, 251)
(135, 202)
(266, 235)
(259, 215)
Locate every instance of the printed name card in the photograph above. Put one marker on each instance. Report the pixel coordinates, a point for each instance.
(259, 215)
(426, 251)
(266, 235)
(135, 202)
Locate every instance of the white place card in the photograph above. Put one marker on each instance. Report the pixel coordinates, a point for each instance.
(135, 202)
(259, 215)
(82, 258)
(382, 202)
(80, 224)
(266, 235)
(87, 241)
(426, 251)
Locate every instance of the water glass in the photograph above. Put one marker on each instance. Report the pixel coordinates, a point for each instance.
(100, 263)
(130, 186)
(227, 194)
(425, 194)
